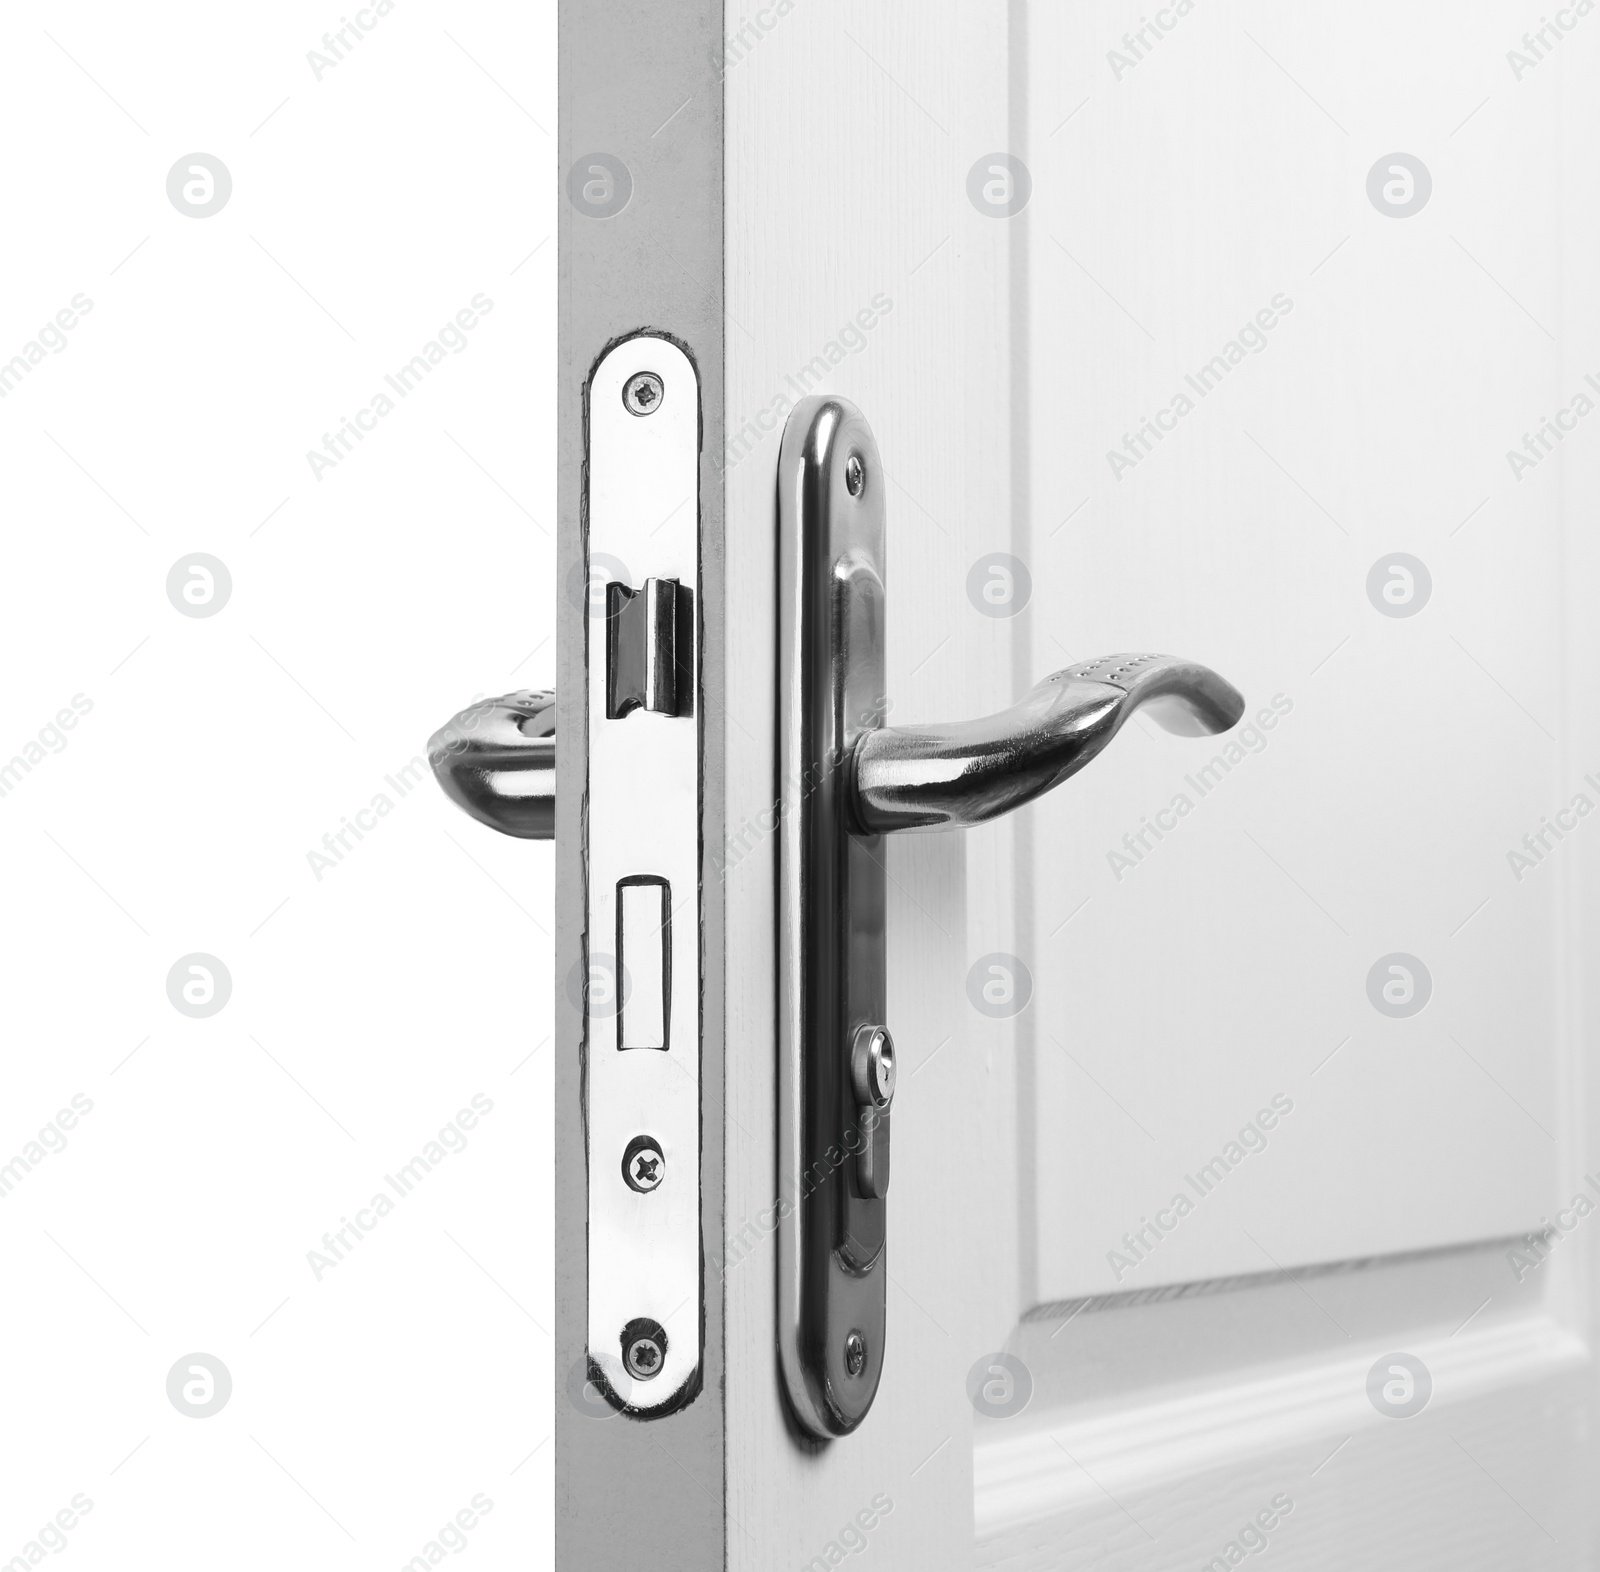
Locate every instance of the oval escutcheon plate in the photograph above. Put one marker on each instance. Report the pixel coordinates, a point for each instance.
(833, 1152)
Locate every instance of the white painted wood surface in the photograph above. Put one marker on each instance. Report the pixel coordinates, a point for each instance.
(1377, 813)
(1226, 168)
(845, 131)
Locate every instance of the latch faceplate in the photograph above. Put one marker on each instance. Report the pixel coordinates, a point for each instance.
(642, 935)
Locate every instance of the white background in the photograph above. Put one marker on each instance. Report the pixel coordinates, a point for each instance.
(367, 208)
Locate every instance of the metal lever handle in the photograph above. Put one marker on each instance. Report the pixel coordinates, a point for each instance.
(497, 760)
(844, 781)
(963, 772)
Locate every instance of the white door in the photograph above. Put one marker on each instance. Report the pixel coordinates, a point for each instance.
(1239, 1198)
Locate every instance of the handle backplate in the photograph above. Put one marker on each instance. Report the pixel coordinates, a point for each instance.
(833, 1149)
(845, 781)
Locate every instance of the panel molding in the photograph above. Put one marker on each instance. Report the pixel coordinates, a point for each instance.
(1125, 1448)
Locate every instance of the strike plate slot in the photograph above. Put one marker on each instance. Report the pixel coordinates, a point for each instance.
(643, 933)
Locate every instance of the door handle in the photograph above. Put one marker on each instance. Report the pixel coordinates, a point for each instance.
(844, 781)
(961, 773)
(496, 759)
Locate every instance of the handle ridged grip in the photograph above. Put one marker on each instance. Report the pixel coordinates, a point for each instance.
(497, 760)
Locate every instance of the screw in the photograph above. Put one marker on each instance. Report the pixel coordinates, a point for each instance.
(643, 1166)
(855, 1353)
(855, 474)
(644, 1348)
(642, 393)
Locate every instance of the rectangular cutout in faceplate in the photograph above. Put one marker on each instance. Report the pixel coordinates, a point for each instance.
(644, 961)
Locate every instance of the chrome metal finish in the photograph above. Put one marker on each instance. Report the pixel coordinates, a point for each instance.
(642, 850)
(872, 1066)
(641, 393)
(845, 781)
(872, 1151)
(643, 1166)
(644, 1349)
(832, 1275)
(952, 775)
(872, 1082)
(645, 629)
(497, 760)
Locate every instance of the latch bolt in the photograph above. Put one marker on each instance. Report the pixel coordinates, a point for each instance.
(645, 631)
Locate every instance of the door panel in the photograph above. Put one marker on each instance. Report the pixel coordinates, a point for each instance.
(1391, 761)
(1088, 1020)
(1244, 1390)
